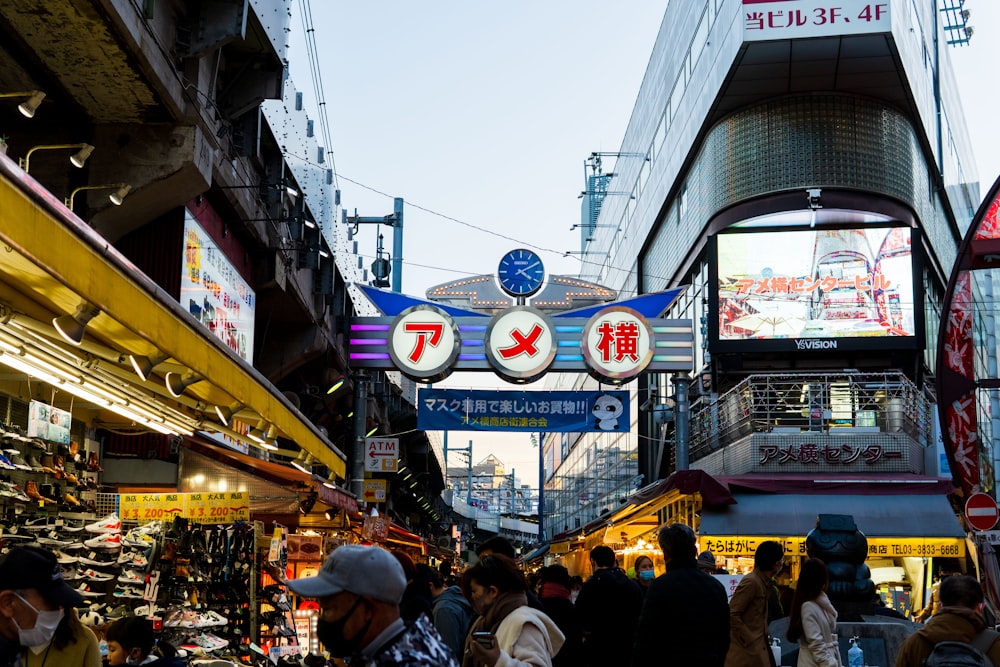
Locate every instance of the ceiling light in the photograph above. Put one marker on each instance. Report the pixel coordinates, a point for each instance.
(144, 365)
(331, 481)
(372, 430)
(121, 190)
(118, 196)
(177, 383)
(226, 413)
(304, 464)
(28, 107)
(78, 159)
(257, 432)
(337, 384)
(71, 327)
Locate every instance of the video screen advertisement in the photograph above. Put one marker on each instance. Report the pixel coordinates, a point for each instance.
(816, 290)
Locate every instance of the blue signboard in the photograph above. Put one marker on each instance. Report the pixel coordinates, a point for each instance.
(527, 411)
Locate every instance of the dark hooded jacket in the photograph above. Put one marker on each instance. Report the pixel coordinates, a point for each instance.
(452, 617)
(684, 619)
(956, 624)
(607, 610)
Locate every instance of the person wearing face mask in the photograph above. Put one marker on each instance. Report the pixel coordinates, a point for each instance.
(644, 573)
(131, 642)
(72, 645)
(33, 599)
(516, 635)
(685, 611)
(359, 589)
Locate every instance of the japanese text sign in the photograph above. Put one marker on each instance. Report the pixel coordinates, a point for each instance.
(201, 507)
(525, 411)
(793, 19)
(374, 490)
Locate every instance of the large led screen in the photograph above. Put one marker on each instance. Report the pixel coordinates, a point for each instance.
(816, 287)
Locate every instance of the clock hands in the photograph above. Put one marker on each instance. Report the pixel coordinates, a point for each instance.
(524, 271)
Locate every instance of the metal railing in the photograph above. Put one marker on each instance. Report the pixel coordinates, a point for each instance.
(812, 403)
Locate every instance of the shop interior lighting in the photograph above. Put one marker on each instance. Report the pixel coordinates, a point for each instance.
(144, 365)
(270, 440)
(257, 433)
(304, 463)
(337, 384)
(177, 383)
(226, 413)
(328, 515)
(72, 327)
(121, 190)
(30, 105)
(77, 159)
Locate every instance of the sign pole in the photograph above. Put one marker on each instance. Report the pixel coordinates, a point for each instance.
(360, 417)
(541, 486)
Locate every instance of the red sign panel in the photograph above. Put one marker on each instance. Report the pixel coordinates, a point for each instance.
(981, 511)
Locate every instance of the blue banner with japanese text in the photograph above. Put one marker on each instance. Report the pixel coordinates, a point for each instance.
(528, 411)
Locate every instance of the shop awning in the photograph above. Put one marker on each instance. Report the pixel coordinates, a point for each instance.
(276, 473)
(55, 264)
(537, 552)
(795, 514)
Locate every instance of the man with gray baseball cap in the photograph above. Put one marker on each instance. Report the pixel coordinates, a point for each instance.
(359, 589)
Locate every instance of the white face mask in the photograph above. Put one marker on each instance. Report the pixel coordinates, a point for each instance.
(38, 637)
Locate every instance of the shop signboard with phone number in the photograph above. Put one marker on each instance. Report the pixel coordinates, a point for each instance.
(885, 547)
(200, 507)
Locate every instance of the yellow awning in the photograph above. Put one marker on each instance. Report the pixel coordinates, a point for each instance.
(52, 261)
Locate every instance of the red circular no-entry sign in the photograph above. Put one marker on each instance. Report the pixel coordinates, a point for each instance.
(981, 511)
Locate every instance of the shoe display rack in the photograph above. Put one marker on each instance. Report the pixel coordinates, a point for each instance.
(207, 579)
(48, 476)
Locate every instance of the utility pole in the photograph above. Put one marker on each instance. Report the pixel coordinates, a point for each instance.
(468, 457)
(360, 417)
(381, 266)
(541, 485)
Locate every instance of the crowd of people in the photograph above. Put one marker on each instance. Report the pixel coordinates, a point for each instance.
(378, 608)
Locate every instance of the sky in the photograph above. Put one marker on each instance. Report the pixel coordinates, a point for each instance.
(481, 115)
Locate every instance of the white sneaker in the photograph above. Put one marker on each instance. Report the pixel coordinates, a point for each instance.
(132, 577)
(105, 541)
(94, 575)
(109, 524)
(64, 558)
(87, 591)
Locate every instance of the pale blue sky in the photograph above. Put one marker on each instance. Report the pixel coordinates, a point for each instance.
(485, 112)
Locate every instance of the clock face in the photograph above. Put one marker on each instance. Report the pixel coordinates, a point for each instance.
(521, 272)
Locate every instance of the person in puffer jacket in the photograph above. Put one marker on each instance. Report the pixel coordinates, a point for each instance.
(521, 635)
(451, 612)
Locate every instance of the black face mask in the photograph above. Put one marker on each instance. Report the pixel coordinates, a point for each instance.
(331, 634)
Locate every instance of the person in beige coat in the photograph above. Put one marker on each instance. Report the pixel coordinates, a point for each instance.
(748, 643)
(813, 621)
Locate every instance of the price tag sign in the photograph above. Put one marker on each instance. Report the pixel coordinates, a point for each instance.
(143, 507)
(200, 507)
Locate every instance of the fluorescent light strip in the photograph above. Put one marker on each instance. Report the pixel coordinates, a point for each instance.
(16, 363)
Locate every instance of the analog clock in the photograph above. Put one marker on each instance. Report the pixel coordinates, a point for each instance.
(521, 272)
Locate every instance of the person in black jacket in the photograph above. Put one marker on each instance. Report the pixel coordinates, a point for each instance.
(686, 611)
(608, 608)
(554, 594)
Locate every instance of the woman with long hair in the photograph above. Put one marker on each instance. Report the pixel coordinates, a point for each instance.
(813, 620)
(507, 629)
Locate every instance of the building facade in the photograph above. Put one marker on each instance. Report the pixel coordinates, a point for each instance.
(807, 172)
(217, 266)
